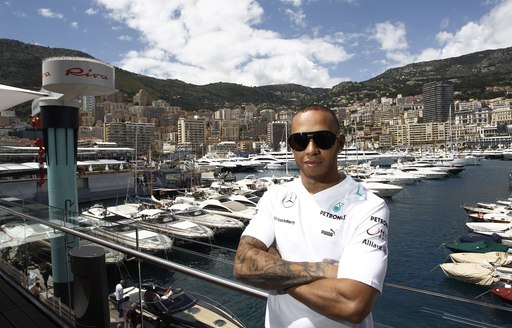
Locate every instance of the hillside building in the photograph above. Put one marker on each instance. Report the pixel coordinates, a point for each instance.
(437, 101)
(192, 130)
(276, 134)
(140, 136)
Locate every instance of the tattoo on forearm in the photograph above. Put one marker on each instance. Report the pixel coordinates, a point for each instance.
(259, 268)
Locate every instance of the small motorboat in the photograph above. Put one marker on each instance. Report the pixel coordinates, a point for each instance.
(476, 273)
(491, 258)
(505, 293)
(177, 307)
(476, 247)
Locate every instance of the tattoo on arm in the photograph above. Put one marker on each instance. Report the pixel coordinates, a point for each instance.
(254, 265)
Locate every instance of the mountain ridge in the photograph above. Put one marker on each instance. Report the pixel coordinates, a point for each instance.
(471, 74)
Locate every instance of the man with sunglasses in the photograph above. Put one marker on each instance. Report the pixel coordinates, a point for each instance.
(318, 243)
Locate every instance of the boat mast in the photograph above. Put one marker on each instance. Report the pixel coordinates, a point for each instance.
(136, 161)
(450, 127)
(286, 144)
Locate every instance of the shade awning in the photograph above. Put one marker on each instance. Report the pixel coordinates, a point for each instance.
(12, 96)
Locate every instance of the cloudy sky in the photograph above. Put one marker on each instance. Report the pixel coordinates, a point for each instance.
(316, 43)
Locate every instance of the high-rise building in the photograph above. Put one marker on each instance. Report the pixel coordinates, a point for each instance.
(192, 130)
(277, 134)
(437, 100)
(223, 114)
(88, 103)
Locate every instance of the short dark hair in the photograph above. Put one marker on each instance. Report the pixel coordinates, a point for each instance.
(321, 108)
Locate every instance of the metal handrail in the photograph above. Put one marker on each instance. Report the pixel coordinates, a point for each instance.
(226, 283)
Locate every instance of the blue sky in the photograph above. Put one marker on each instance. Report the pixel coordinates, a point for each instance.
(316, 43)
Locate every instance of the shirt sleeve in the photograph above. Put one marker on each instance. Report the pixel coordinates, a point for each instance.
(366, 255)
(261, 225)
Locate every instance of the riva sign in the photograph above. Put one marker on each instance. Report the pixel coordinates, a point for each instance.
(78, 76)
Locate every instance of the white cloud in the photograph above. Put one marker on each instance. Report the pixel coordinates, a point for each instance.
(125, 38)
(296, 3)
(48, 13)
(297, 17)
(91, 11)
(492, 31)
(445, 23)
(207, 41)
(74, 24)
(391, 37)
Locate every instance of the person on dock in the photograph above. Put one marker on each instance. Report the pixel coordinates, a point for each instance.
(132, 316)
(153, 300)
(318, 243)
(125, 308)
(6, 253)
(119, 293)
(37, 289)
(45, 269)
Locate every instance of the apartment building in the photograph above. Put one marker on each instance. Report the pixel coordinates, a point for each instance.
(437, 101)
(277, 133)
(140, 136)
(192, 130)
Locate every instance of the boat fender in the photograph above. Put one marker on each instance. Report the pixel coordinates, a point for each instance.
(167, 293)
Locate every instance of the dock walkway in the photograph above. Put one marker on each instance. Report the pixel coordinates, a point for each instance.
(19, 308)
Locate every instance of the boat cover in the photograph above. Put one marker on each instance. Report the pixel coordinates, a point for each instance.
(476, 247)
(472, 238)
(493, 258)
(473, 273)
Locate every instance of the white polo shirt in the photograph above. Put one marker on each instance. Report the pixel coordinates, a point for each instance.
(346, 223)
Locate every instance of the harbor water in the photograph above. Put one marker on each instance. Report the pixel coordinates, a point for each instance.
(416, 294)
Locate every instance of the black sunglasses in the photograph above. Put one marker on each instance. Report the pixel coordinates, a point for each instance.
(300, 141)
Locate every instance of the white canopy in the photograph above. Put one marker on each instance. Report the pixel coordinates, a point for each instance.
(11, 96)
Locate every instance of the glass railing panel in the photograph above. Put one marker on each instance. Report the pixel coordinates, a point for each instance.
(445, 303)
(402, 306)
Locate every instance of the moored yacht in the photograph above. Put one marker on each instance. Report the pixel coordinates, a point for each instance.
(115, 228)
(384, 190)
(162, 222)
(218, 223)
(222, 206)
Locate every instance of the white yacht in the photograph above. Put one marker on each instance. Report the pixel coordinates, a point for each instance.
(230, 162)
(15, 233)
(115, 228)
(384, 190)
(162, 222)
(218, 223)
(277, 160)
(222, 206)
(422, 170)
(167, 223)
(392, 175)
(353, 155)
